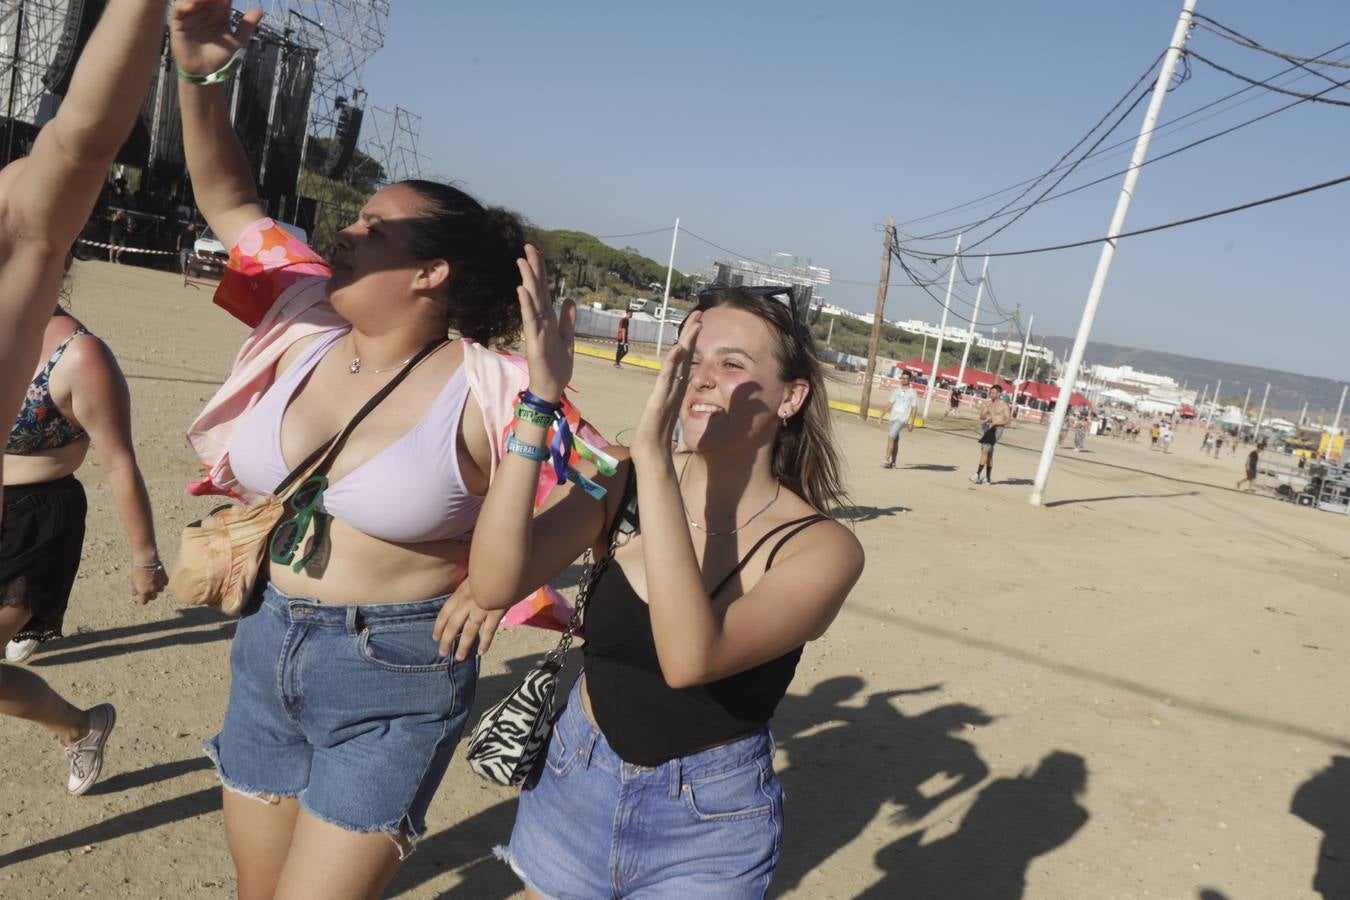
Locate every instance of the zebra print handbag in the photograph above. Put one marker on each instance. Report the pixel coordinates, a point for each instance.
(507, 741)
(509, 737)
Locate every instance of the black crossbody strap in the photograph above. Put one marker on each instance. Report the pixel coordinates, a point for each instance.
(322, 454)
(802, 522)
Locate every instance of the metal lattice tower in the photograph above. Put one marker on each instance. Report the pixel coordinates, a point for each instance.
(30, 31)
(391, 139)
(346, 33)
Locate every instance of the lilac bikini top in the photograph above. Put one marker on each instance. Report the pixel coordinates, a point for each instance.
(409, 492)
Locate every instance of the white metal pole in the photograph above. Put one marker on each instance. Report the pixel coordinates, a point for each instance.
(1303, 416)
(1262, 414)
(1246, 402)
(1341, 407)
(942, 332)
(1213, 401)
(974, 317)
(1022, 366)
(1169, 65)
(665, 300)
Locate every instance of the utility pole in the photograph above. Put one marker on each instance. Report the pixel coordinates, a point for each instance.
(1303, 416)
(665, 300)
(1127, 189)
(1209, 416)
(829, 335)
(942, 332)
(1022, 364)
(1262, 414)
(1016, 320)
(1341, 407)
(876, 318)
(974, 317)
(1246, 402)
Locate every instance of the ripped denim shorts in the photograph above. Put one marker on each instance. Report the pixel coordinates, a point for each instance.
(350, 709)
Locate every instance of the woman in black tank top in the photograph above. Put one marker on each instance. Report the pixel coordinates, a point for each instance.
(696, 625)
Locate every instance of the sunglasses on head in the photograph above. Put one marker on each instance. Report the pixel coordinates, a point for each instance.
(783, 294)
(286, 537)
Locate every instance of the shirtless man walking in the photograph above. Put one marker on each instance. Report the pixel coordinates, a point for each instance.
(994, 416)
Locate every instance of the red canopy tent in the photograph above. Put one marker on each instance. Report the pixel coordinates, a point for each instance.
(1050, 393)
(916, 366)
(1186, 412)
(973, 377)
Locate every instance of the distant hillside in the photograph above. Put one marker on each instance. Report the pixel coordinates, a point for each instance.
(1288, 391)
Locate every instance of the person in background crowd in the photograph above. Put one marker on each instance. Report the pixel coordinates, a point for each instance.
(994, 417)
(899, 412)
(118, 226)
(1253, 460)
(187, 237)
(45, 201)
(621, 346)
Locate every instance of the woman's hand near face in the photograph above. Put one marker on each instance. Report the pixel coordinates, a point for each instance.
(655, 431)
(202, 37)
(549, 335)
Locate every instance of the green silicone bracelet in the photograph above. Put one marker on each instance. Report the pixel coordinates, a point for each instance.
(222, 74)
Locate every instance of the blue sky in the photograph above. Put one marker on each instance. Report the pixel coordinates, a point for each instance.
(799, 126)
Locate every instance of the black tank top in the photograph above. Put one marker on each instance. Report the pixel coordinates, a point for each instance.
(646, 721)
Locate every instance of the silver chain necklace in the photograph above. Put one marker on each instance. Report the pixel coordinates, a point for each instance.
(355, 367)
(692, 524)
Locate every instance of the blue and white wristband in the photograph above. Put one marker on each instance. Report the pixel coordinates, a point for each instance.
(521, 448)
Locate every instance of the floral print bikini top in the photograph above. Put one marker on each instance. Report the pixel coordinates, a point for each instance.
(40, 425)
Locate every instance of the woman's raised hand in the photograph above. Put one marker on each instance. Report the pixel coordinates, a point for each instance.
(549, 335)
(202, 37)
(656, 428)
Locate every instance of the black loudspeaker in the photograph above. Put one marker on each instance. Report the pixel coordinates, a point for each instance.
(344, 142)
(81, 16)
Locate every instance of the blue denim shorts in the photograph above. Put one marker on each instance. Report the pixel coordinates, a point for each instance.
(705, 825)
(350, 709)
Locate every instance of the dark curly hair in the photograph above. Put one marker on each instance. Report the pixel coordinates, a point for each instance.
(481, 244)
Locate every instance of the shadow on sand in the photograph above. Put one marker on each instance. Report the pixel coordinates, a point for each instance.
(1011, 822)
(1120, 497)
(1321, 802)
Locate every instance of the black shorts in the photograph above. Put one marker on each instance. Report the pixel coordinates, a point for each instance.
(991, 435)
(41, 541)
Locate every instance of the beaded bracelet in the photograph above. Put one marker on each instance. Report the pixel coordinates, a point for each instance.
(521, 448)
(222, 74)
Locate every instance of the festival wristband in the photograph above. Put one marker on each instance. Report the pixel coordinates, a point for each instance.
(606, 464)
(222, 74)
(561, 448)
(529, 451)
(535, 402)
(595, 491)
(533, 416)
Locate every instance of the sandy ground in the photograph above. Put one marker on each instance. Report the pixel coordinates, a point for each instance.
(1120, 695)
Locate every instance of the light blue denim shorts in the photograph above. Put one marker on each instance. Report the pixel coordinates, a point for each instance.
(350, 709)
(708, 825)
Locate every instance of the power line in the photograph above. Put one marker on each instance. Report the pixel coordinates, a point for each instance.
(1319, 60)
(1193, 144)
(1270, 87)
(895, 253)
(1230, 34)
(606, 237)
(1187, 221)
(1048, 172)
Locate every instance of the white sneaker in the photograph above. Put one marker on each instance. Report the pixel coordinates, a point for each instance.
(19, 651)
(86, 754)
(978, 479)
